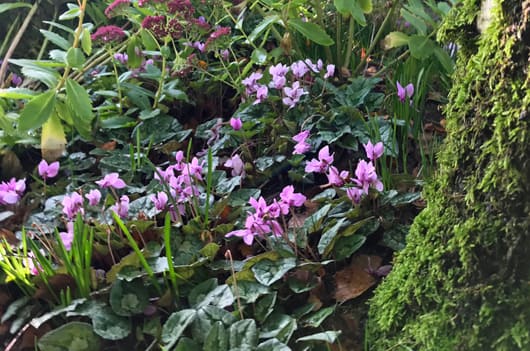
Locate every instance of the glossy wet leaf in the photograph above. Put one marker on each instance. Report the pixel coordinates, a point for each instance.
(272, 345)
(328, 336)
(217, 338)
(175, 326)
(345, 246)
(206, 318)
(267, 271)
(250, 291)
(279, 326)
(264, 307)
(243, 333)
(325, 245)
(314, 320)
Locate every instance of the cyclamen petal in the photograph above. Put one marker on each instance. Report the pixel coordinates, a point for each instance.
(112, 180)
(93, 197)
(48, 170)
(373, 152)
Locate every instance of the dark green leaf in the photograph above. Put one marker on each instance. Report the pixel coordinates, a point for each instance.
(265, 307)
(272, 345)
(128, 298)
(279, 326)
(71, 336)
(315, 319)
(175, 326)
(345, 246)
(313, 223)
(217, 338)
(250, 291)
(37, 111)
(206, 317)
(328, 336)
(243, 333)
(325, 245)
(109, 325)
(311, 31)
(267, 271)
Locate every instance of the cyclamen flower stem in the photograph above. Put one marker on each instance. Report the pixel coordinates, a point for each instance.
(228, 254)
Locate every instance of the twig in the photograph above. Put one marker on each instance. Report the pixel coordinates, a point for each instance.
(16, 40)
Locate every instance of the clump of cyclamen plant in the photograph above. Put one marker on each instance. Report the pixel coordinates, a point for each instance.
(265, 218)
(290, 82)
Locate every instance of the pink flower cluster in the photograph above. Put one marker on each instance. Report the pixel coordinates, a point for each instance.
(292, 94)
(116, 8)
(107, 34)
(11, 192)
(182, 178)
(365, 173)
(264, 220)
(74, 203)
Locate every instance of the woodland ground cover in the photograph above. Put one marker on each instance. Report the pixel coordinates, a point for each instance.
(186, 175)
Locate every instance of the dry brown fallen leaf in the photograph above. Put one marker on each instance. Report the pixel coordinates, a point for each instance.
(355, 279)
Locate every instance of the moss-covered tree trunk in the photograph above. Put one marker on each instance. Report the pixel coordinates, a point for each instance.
(463, 280)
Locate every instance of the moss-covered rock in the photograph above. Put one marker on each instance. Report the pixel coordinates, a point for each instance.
(463, 280)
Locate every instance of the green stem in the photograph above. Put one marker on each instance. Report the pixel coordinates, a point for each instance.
(16, 40)
(320, 18)
(116, 75)
(75, 44)
(376, 39)
(349, 47)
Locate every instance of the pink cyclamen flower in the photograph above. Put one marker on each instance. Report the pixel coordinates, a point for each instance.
(301, 146)
(373, 152)
(112, 180)
(299, 69)
(365, 176)
(330, 71)
(291, 198)
(407, 91)
(293, 94)
(322, 164)
(72, 205)
(237, 165)
(48, 170)
(93, 197)
(16, 80)
(11, 192)
(261, 94)
(121, 58)
(121, 208)
(160, 200)
(314, 67)
(337, 178)
(354, 194)
(236, 123)
(68, 237)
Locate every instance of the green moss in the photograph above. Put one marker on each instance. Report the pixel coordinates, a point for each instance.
(463, 281)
